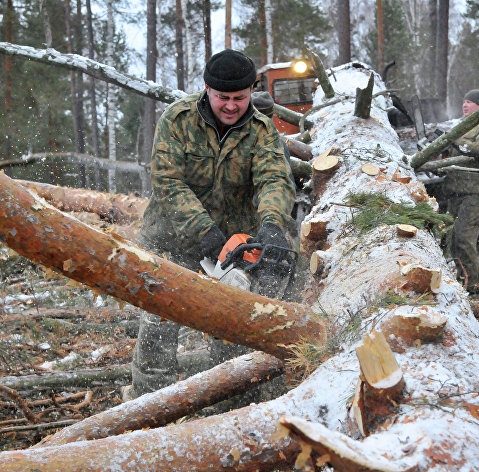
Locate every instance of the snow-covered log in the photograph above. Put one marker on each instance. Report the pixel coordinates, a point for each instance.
(94, 69)
(370, 279)
(175, 401)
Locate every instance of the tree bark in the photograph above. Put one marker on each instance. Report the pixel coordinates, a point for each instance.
(290, 116)
(379, 8)
(321, 74)
(78, 378)
(175, 401)
(442, 47)
(362, 107)
(110, 97)
(125, 166)
(94, 69)
(92, 91)
(228, 24)
(149, 120)
(8, 19)
(298, 149)
(207, 28)
(116, 208)
(268, 15)
(107, 264)
(180, 56)
(343, 31)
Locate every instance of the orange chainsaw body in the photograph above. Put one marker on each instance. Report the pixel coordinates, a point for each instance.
(235, 241)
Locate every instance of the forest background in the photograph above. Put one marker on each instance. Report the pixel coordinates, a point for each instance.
(433, 44)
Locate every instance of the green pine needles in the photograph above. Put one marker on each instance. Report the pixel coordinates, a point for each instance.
(374, 209)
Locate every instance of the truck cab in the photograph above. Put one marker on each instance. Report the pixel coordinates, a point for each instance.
(291, 84)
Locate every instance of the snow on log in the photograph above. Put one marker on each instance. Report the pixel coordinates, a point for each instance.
(343, 453)
(175, 401)
(432, 426)
(94, 69)
(111, 265)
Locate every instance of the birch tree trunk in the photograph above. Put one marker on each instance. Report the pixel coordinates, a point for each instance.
(190, 56)
(111, 98)
(8, 19)
(397, 388)
(268, 11)
(92, 91)
(149, 116)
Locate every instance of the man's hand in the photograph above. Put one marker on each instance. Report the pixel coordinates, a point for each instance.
(267, 273)
(269, 233)
(212, 243)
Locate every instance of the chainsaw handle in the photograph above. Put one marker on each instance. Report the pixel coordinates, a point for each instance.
(238, 251)
(277, 261)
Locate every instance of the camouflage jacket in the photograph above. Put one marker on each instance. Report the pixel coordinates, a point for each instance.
(200, 180)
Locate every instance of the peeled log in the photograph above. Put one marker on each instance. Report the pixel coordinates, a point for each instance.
(109, 265)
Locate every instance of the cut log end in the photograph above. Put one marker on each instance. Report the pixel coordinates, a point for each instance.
(407, 231)
(325, 163)
(381, 381)
(370, 169)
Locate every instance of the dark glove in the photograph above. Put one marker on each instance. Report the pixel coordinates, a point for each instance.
(268, 275)
(212, 243)
(269, 233)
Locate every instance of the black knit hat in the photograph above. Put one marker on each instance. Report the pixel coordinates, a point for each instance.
(263, 102)
(472, 96)
(230, 71)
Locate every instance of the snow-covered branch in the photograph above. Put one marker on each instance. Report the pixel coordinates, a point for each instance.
(94, 69)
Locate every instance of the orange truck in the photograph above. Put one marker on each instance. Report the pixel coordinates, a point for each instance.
(291, 84)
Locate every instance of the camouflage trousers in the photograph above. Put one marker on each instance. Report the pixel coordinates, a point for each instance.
(465, 209)
(155, 363)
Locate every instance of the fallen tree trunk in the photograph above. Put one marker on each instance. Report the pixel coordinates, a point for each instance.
(77, 378)
(112, 266)
(116, 208)
(372, 276)
(171, 403)
(444, 141)
(299, 149)
(449, 161)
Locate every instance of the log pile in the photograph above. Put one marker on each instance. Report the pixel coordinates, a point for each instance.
(391, 329)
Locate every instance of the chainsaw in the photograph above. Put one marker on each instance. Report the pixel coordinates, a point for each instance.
(264, 269)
